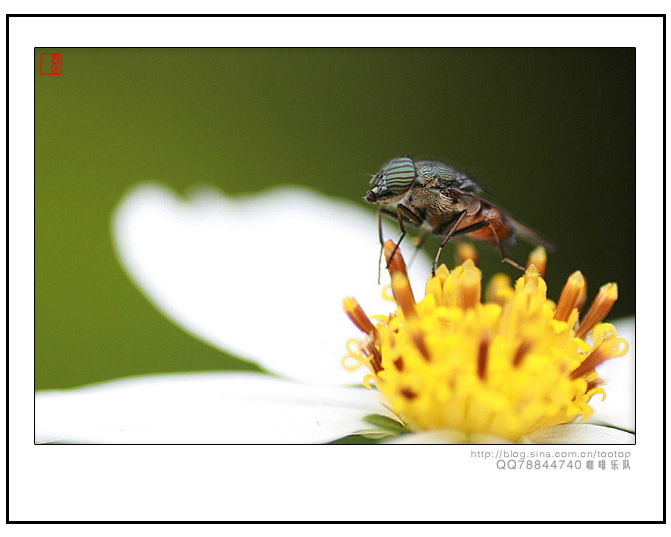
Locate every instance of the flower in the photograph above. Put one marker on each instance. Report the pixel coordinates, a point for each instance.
(255, 276)
(504, 369)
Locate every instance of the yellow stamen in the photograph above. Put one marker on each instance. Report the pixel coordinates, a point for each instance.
(400, 287)
(502, 368)
(465, 250)
(357, 315)
(468, 285)
(442, 274)
(539, 258)
(435, 289)
(397, 263)
(434, 285)
(499, 289)
(575, 285)
(610, 348)
(582, 298)
(600, 307)
(532, 277)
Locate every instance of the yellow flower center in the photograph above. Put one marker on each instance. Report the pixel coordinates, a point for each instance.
(505, 367)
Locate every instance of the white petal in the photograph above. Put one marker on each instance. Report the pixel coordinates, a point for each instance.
(580, 433)
(443, 436)
(203, 408)
(619, 373)
(262, 276)
(447, 436)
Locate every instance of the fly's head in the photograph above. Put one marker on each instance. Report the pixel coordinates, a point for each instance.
(392, 182)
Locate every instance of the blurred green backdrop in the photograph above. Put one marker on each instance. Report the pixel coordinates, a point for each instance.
(551, 132)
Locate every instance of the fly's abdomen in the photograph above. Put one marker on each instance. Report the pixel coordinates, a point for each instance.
(486, 233)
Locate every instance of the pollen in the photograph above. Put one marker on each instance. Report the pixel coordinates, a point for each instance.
(503, 367)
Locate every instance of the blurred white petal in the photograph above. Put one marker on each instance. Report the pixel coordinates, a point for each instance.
(444, 436)
(203, 408)
(261, 276)
(619, 373)
(580, 433)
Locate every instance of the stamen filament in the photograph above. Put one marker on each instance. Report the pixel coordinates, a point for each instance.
(600, 307)
(582, 298)
(418, 340)
(398, 263)
(599, 355)
(376, 358)
(521, 352)
(570, 295)
(595, 383)
(357, 315)
(482, 358)
(408, 393)
(403, 296)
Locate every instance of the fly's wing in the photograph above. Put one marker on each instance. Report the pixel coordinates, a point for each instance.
(528, 234)
(523, 231)
(520, 229)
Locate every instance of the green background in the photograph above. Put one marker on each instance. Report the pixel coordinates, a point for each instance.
(550, 132)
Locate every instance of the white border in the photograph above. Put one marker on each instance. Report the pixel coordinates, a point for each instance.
(328, 483)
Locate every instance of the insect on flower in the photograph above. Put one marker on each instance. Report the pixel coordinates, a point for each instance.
(445, 201)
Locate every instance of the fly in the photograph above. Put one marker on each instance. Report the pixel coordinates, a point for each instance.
(443, 200)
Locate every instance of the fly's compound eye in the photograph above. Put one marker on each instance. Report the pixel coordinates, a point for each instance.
(399, 175)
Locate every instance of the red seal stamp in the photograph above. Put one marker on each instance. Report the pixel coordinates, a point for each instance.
(51, 63)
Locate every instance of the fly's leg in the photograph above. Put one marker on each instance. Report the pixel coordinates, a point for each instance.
(400, 211)
(379, 230)
(451, 227)
(504, 257)
(499, 245)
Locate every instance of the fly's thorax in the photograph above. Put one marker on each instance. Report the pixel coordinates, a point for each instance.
(439, 175)
(420, 197)
(433, 208)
